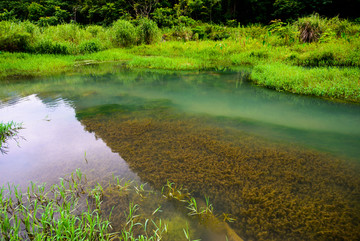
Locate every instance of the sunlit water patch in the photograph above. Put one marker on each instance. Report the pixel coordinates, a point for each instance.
(52, 143)
(285, 166)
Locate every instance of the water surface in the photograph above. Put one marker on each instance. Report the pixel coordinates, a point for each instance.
(279, 163)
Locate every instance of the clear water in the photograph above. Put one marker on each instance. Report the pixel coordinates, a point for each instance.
(73, 122)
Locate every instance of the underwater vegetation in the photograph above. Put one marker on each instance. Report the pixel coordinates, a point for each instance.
(274, 191)
(78, 209)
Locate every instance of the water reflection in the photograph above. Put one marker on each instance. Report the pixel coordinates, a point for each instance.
(54, 144)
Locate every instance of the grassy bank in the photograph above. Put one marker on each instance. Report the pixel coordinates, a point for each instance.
(338, 83)
(275, 51)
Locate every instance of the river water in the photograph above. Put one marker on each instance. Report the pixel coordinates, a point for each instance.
(285, 166)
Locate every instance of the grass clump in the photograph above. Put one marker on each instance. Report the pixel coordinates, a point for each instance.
(7, 130)
(148, 31)
(123, 33)
(336, 83)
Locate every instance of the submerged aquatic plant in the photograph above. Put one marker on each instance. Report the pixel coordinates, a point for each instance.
(171, 191)
(266, 184)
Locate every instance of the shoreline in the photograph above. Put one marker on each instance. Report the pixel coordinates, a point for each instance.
(334, 83)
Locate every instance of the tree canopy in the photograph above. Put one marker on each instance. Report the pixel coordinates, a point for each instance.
(104, 12)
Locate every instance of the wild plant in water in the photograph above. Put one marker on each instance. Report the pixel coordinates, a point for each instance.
(55, 214)
(7, 130)
(172, 191)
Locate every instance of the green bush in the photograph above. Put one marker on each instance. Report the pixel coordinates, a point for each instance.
(66, 33)
(48, 21)
(148, 31)
(123, 33)
(164, 17)
(95, 30)
(13, 37)
(253, 31)
(47, 46)
(181, 33)
(184, 20)
(200, 31)
(90, 46)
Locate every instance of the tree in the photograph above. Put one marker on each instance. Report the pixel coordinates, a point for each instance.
(143, 8)
(36, 11)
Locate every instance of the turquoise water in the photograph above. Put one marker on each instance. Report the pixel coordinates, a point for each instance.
(57, 136)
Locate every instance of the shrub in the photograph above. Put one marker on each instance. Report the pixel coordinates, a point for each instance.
(311, 28)
(90, 46)
(200, 31)
(184, 20)
(253, 31)
(182, 33)
(13, 37)
(286, 32)
(48, 21)
(95, 30)
(148, 31)
(66, 33)
(164, 17)
(47, 46)
(123, 33)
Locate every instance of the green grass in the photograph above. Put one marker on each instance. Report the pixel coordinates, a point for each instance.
(61, 213)
(274, 49)
(74, 209)
(7, 130)
(339, 83)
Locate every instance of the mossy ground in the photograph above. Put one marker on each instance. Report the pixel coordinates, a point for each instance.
(276, 191)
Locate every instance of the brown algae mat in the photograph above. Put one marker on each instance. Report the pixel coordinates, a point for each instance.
(275, 191)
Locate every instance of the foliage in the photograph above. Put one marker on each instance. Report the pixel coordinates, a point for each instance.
(148, 31)
(13, 37)
(123, 33)
(90, 46)
(170, 13)
(164, 17)
(48, 46)
(328, 42)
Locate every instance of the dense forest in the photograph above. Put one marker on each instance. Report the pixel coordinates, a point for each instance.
(173, 12)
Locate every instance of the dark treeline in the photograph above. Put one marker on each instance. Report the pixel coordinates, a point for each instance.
(170, 12)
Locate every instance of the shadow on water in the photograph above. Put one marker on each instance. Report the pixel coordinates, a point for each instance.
(287, 167)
